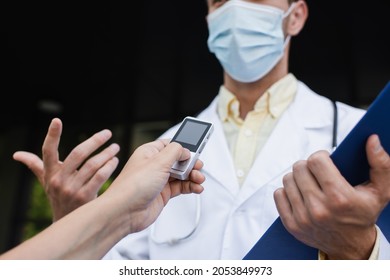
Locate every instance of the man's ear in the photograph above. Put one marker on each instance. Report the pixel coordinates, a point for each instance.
(296, 20)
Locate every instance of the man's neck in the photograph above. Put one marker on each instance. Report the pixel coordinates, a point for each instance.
(247, 94)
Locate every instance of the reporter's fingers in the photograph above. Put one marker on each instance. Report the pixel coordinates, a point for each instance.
(165, 142)
(184, 187)
(95, 163)
(197, 177)
(192, 185)
(198, 165)
(155, 146)
(173, 152)
(185, 154)
(168, 151)
(100, 177)
(50, 145)
(32, 161)
(82, 151)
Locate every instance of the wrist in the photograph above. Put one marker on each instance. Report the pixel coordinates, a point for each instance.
(360, 248)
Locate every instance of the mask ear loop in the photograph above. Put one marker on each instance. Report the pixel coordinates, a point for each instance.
(286, 14)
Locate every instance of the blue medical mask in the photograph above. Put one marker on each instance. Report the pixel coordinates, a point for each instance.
(247, 38)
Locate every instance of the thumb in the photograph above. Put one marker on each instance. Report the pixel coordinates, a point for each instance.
(174, 152)
(377, 157)
(379, 162)
(33, 162)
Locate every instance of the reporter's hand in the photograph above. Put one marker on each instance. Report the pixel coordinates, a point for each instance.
(76, 180)
(321, 209)
(146, 184)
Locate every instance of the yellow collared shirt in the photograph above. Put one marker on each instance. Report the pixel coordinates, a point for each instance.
(247, 137)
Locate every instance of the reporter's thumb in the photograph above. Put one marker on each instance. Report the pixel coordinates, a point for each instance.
(174, 152)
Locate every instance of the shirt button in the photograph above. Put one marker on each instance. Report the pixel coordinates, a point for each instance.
(240, 173)
(248, 133)
(235, 106)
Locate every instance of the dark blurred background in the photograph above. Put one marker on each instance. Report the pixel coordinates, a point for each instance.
(138, 68)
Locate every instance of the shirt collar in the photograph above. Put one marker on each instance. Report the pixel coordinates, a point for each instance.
(281, 94)
(227, 104)
(275, 100)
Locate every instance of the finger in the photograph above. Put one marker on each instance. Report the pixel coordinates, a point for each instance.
(158, 144)
(186, 154)
(32, 161)
(192, 185)
(165, 142)
(292, 191)
(173, 152)
(179, 187)
(198, 165)
(150, 149)
(95, 163)
(50, 145)
(197, 177)
(379, 162)
(326, 173)
(100, 177)
(284, 208)
(81, 152)
(377, 157)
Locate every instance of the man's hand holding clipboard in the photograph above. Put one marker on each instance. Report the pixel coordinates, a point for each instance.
(350, 158)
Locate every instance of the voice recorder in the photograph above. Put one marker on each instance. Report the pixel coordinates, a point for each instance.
(192, 134)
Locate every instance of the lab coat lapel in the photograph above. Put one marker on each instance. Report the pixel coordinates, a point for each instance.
(218, 162)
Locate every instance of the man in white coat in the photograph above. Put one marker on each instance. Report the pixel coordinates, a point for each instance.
(264, 120)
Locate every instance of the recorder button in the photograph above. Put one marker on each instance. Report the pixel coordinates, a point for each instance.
(180, 165)
(201, 148)
(183, 163)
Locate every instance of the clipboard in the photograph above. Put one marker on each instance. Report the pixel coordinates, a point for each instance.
(351, 159)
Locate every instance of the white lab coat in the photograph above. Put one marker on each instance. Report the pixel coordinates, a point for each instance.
(233, 218)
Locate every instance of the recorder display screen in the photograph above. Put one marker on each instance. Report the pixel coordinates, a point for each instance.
(191, 134)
